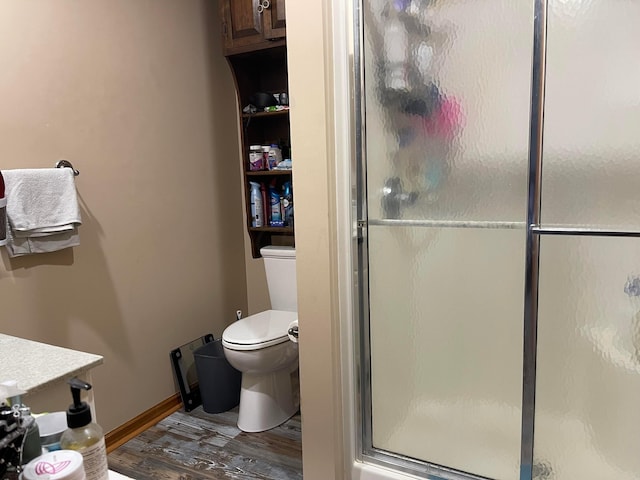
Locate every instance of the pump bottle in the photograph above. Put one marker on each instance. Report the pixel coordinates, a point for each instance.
(84, 435)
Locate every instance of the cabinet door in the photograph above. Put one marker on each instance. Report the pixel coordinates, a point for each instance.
(242, 23)
(274, 20)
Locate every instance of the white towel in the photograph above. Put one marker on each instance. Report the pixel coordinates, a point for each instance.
(17, 247)
(42, 210)
(41, 200)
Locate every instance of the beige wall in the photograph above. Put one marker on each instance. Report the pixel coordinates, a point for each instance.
(136, 95)
(314, 193)
(257, 290)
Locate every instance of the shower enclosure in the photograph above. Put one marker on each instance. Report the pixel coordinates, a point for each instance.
(498, 215)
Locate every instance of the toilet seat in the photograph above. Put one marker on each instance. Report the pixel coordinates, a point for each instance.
(258, 331)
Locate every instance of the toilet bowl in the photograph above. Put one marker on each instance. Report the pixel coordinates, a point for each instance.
(259, 347)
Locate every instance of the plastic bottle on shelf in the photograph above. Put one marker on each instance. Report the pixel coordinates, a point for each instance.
(85, 436)
(265, 156)
(257, 218)
(275, 156)
(287, 203)
(256, 159)
(274, 201)
(266, 207)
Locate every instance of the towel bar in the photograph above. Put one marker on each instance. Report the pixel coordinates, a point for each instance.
(67, 163)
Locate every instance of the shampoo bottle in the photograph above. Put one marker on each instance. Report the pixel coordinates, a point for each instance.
(84, 435)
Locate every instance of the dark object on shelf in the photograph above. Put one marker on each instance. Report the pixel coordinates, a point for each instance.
(219, 381)
(262, 100)
(185, 370)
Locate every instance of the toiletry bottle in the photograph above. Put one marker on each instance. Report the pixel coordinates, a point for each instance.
(256, 160)
(266, 207)
(265, 156)
(287, 203)
(275, 156)
(257, 219)
(274, 201)
(84, 435)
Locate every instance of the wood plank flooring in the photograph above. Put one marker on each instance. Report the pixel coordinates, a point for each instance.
(198, 445)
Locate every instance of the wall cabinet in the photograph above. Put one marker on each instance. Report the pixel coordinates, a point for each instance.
(249, 25)
(263, 70)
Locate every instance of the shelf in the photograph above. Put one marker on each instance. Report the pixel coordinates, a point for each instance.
(272, 229)
(266, 114)
(266, 173)
(263, 71)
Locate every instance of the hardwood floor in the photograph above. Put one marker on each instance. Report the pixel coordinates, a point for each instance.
(198, 445)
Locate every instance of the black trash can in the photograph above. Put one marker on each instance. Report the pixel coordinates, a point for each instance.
(219, 381)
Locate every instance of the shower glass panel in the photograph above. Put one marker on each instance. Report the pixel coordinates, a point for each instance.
(446, 351)
(591, 150)
(587, 423)
(446, 115)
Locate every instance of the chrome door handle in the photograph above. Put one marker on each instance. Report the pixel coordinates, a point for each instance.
(293, 331)
(394, 197)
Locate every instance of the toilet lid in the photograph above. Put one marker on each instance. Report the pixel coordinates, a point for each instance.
(259, 331)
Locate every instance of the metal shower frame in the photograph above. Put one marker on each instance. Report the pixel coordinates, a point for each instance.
(534, 231)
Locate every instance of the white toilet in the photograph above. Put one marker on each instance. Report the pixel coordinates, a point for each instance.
(259, 347)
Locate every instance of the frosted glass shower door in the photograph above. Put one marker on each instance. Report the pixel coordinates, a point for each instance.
(587, 418)
(446, 115)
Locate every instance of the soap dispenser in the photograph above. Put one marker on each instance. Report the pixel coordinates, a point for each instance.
(84, 435)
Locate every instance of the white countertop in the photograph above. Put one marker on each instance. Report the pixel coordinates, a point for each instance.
(36, 365)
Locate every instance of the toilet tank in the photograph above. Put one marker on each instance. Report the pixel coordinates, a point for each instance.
(280, 266)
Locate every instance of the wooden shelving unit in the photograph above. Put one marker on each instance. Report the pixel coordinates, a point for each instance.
(255, 47)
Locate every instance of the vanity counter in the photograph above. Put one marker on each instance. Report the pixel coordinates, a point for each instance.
(36, 365)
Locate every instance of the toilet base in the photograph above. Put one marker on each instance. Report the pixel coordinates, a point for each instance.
(266, 401)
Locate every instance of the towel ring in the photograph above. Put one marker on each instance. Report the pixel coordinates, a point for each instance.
(67, 163)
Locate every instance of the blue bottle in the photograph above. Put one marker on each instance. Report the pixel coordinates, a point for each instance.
(256, 205)
(287, 203)
(274, 201)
